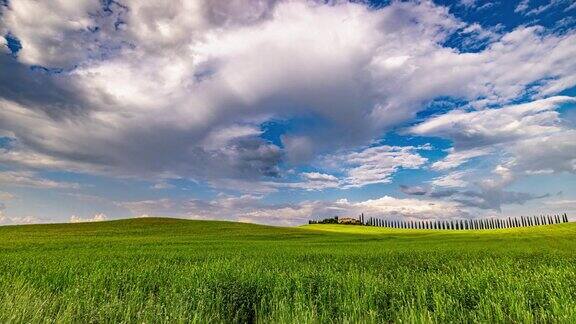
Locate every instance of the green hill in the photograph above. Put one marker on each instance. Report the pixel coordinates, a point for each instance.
(169, 270)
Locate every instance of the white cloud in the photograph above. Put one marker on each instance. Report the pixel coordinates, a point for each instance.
(493, 126)
(378, 164)
(319, 181)
(452, 179)
(31, 179)
(523, 139)
(96, 218)
(197, 79)
(4, 46)
(455, 159)
(522, 6)
(56, 41)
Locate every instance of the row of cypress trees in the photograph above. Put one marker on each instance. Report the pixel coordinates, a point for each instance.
(465, 224)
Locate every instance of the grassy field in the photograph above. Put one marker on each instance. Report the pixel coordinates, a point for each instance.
(166, 270)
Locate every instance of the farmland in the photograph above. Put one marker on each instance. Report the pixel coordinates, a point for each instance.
(167, 270)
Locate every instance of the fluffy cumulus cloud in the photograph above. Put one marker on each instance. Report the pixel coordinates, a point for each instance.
(96, 218)
(168, 89)
(514, 142)
(378, 164)
(531, 138)
(182, 89)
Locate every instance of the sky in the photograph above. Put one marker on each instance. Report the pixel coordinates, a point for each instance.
(277, 112)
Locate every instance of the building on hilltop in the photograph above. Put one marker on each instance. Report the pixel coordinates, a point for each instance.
(349, 221)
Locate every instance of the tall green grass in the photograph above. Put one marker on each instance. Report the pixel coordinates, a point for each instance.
(165, 270)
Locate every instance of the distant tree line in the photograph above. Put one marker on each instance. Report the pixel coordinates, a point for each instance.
(468, 224)
(329, 220)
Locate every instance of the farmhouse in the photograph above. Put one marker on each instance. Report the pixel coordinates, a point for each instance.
(349, 221)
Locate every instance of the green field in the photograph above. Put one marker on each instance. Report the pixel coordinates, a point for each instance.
(166, 270)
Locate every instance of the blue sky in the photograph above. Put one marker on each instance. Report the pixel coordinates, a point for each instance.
(280, 111)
